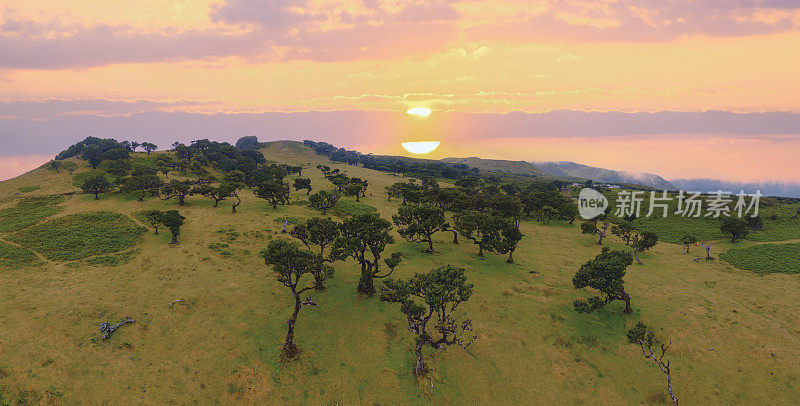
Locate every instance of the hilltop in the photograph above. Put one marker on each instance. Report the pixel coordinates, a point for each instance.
(210, 317)
(501, 166)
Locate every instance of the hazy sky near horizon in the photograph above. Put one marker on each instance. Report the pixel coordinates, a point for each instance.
(682, 88)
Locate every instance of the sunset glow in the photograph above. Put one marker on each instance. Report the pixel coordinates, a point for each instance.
(528, 67)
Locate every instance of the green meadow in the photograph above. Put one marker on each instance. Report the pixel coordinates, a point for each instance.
(210, 317)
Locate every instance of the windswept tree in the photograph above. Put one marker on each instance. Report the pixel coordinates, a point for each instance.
(92, 154)
(624, 230)
(508, 207)
(273, 191)
(177, 189)
(483, 229)
(323, 200)
(653, 349)
(364, 238)
(428, 301)
(736, 227)
(154, 219)
(173, 220)
(418, 223)
(149, 147)
(302, 184)
(353, 189)
(567, 210)
(643, 242)
(319, 233)
(604, 273)
(290, 264)
(96, 184)
(511, 238)
(217, 193)
(688, 241)
(142, 180)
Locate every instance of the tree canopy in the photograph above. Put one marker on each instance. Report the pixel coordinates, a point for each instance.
(604, 273)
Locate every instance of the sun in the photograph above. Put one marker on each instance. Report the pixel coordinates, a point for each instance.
(419, 111)
(421, 147)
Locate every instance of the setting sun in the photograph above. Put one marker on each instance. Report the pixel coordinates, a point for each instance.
(420, 111)
(422, 147)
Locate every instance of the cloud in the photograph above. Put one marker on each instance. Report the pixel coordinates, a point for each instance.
(51, 46)
(341, 30)
(49, 108)
(642, 20)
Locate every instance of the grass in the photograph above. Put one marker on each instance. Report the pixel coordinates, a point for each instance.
(765, 258)
(78, 236)
(107, 260)
(28, 212)
(346, 208)
(16, 257)
(672, 229)
(28, 189)
(220, 343)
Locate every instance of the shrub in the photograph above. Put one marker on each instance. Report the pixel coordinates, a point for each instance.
(28, 212)
(79, 236)
(16, 257)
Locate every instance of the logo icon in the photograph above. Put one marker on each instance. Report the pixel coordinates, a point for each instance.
(591, 203)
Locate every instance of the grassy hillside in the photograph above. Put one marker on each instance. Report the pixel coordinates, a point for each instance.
(211, 318)
(500, 166)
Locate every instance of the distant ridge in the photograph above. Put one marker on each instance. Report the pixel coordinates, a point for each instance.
(576, 170)
(499, 165)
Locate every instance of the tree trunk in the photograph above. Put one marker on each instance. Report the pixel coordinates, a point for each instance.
(239, 201)
(216, 203)
(96, 197)
(419, 362)
(480, 251)
(181, 200)
(687, 249)
(627, 298)
(289, 347)
(455, 237)
(156, 230)
(141, 198)
(510, 259)
(430, 245)
(174, 238)
(636, 255)
(366, 284)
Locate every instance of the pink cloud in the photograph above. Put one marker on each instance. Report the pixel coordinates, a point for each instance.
(278, 30)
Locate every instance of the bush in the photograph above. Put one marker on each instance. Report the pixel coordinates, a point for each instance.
(352, 209)
(28, 212)
(765, 258)
(78, 236)
(16, 257)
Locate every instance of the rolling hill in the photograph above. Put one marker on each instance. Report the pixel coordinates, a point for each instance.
(499, 166)
(210, 317)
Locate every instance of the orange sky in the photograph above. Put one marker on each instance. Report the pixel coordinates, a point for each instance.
(481, 56)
